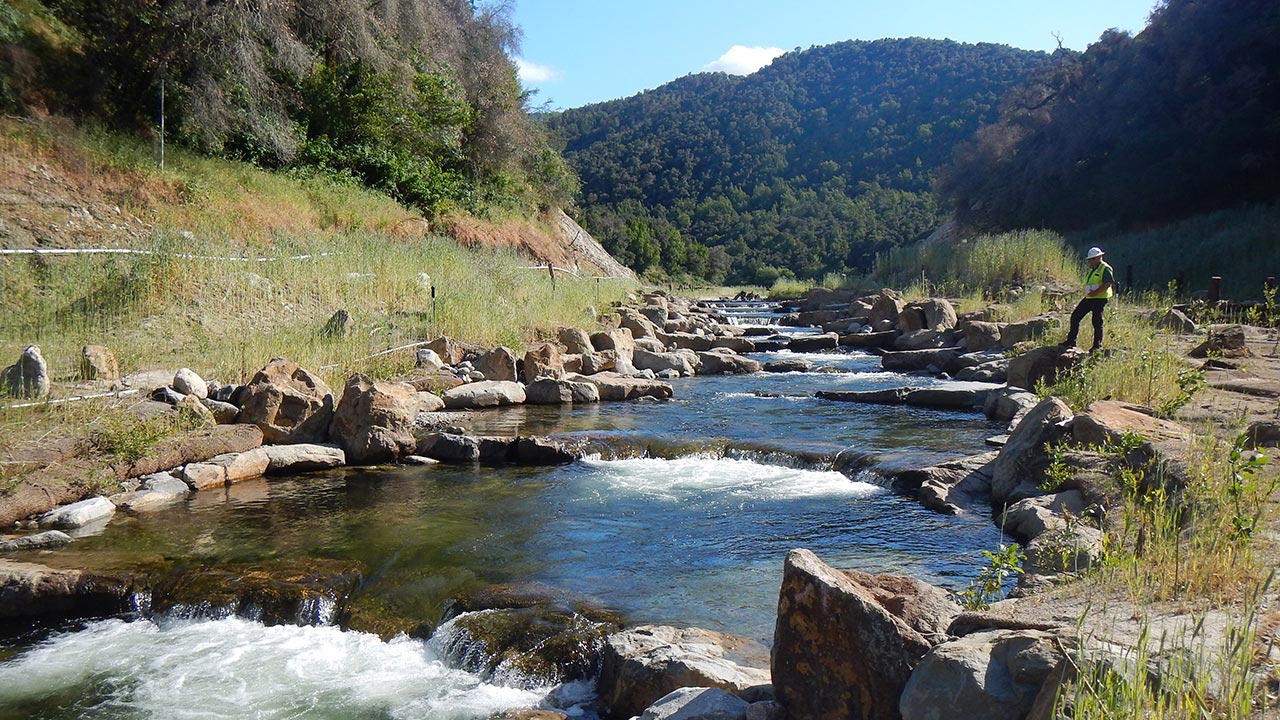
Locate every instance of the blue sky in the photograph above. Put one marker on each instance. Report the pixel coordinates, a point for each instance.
(583, 51)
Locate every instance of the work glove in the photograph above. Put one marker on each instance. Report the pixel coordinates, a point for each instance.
(1091, 289)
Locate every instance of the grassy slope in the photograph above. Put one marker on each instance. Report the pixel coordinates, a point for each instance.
(226, 318)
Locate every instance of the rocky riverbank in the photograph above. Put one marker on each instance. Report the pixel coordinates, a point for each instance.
(906, 649)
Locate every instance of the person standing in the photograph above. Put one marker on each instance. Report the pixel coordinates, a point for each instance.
(1099, 286)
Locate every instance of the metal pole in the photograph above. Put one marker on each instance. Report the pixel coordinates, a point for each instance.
(161, 123)
(433, 304)
(1215, 289)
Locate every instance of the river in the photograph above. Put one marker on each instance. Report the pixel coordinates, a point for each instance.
(683, 517)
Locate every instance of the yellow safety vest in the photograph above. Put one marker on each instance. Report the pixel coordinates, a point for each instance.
(1094, 277)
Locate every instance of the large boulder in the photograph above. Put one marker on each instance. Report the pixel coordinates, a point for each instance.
(1176, 321)
(980, 335)
(888, 306)
(933, 314)
(299, 458)
(288, 403)
(991, 675)
(548, 391)
(1007, 404)
(1031, 517)
(838, 652)
(226, 469)
(576, 341)
(97, 362)
(79, 514)
(449, 350)
(28, 590)
(618, 340)
(541, 361)
(814, 343)
(658, 362)
(952, 487)
(498, 364)
(725, 362)
(884, 339)
(28, 378)
(374, 421)
(686, 341)
(1042, 364)
(642, 664)
(1107, 422)
(614, 387)
(734, 343)
(639, 325)
(1226, 341)
(947, 398)
(486, 394)
(924, 339)
(1019, 469)
(1031, 329)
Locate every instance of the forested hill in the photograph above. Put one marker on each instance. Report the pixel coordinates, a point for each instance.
(811, 165)
(417, 98)
(1180, 119)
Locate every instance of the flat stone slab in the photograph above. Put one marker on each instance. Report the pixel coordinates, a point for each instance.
(303, 457)
(890, 396)
(79, 514)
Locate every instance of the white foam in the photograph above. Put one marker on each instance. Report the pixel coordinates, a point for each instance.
(699, 475)
(237, 668)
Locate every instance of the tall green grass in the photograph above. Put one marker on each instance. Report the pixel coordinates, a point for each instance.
(1023, 257)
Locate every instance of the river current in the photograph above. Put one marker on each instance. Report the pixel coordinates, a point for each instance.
(683, 517)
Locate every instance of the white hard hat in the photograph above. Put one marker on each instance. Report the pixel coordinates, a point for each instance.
(1093, 253)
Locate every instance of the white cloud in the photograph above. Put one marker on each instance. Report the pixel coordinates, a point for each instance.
(742, 60)
(533, 73)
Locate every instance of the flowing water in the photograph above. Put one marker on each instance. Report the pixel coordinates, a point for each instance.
(684, 517)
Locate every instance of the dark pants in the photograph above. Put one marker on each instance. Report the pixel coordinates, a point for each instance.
(1086, 306)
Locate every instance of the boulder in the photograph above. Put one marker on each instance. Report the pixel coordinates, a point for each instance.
(224, 413)
(643, 664)
(991, 675)
(541, 451)
(686, 341)
(576, 341)
(226, 469)
(560, 392)
(657, 362)
(725, 362)
(924, 339)
(1019, 469)
(814, 343)
(1034, 328)
(887, 305)
(485, 394)
(736, 344)
(498, 364)
(1176, 321)
(28, 378)
(429, 360)
(639, 325)
(1007, 404)
(450, 447)
(374, 421)
(1031, 517)
(618, 340)
(1226, 341)
(888, 396)
(79, 514)
(164, 482)
(303, 457)
(288, 403)
(447, 349)
(935, 360)
(541, 361)
(697, 703)
(1067, 548)
(656, 314)
(1263, 433)
(195, 410)
(951, 488)
(994, 371)
(47, 540)
(429, 402)
(97, 362)
(1042, 364)
(838, 652)
(933, 314)
(187, 382)
(614, 387)
(980, 335)
(1108, 421)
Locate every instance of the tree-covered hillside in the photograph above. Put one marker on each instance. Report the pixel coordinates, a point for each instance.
(1137, 131)
(414, 97)
(809, 166)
